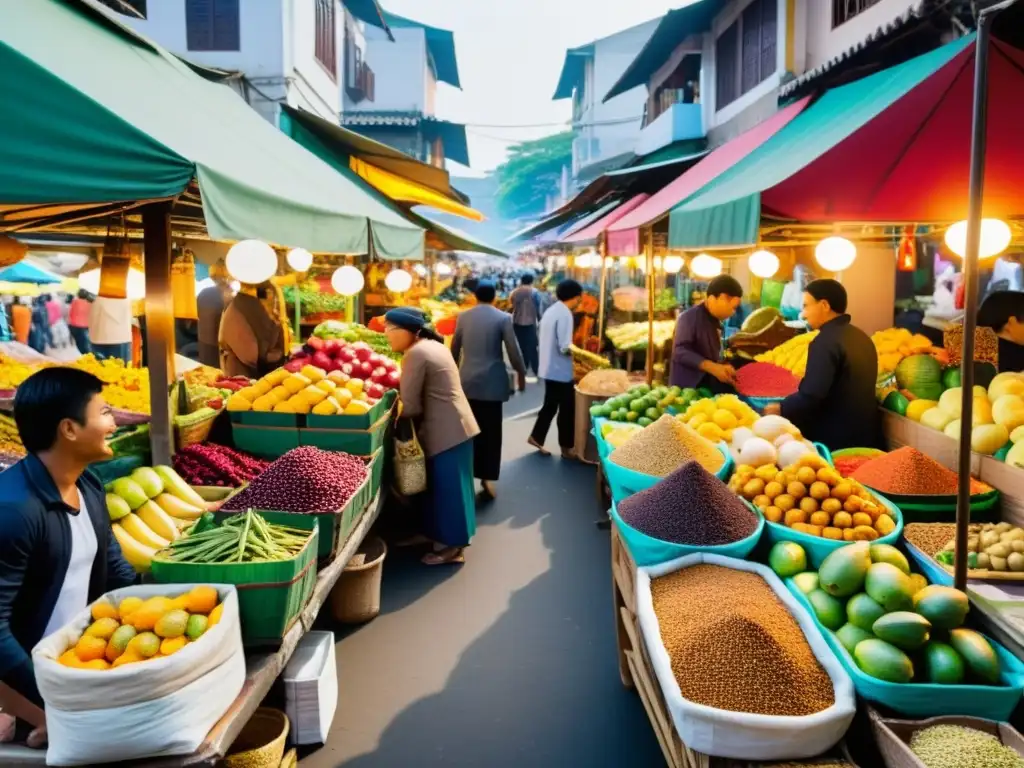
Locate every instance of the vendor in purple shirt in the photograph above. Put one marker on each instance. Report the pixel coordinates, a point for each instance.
(697, 347)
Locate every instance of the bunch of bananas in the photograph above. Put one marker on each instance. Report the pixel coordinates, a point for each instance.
(10, 440)
(792, 355)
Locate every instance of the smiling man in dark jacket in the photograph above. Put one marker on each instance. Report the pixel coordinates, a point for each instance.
(697, 345)
(57, 553)
(836, 403)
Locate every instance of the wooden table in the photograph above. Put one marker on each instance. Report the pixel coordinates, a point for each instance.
(262, 669)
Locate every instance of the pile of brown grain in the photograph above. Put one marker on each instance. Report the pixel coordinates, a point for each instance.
(930, 538)
(735, 646)
(664, 446)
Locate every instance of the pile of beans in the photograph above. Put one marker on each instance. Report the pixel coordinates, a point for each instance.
(735, 646)
(690, 506)
(908, 472)
(765, 380)
(930, 538)
(305, 480)
(662, 447)
(955, 746)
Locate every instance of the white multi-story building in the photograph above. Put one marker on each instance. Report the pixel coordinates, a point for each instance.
(289, 51)
(606, 132)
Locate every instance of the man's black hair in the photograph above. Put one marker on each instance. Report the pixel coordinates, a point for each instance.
(568, 290)
(726, 284)
(485, 292)
(527, 278)
(46, 398)
(998, 307)
(829, 290)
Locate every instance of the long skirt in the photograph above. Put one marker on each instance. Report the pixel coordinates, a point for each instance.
(451, 497)
(487, 445)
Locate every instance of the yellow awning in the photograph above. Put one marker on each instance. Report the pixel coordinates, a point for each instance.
(407, 191)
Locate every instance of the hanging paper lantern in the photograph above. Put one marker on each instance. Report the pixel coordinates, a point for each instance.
(299, 259)
(419, 269)
(706, 266)
(398, 281)
(183, 281)
(251, 261)
(442, 269)
(835, 253)
(673, 264)
(347, 280)
(609, 262)
(995, 238)
(763, 264)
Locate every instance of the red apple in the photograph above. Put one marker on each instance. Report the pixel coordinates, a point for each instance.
(378, 374)
(346, 355)
(392, 380)
(322, 361)
(331, 346)
(362, 351)
(349, 369)
(376, 391)
(294, 366)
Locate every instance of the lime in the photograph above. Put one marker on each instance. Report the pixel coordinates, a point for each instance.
(643, 389)
(653, 414)
(605, 412)
(644, 422)
(618, 415)
(632, 416)
(638, 405)
(595, 410)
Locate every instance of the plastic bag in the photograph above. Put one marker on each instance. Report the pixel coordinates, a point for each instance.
(160, 707)
(739, 735)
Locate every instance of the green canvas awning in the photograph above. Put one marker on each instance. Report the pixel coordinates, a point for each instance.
(727, 211)
(98, 114)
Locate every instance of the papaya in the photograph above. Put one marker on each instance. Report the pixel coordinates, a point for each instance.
(944, 607)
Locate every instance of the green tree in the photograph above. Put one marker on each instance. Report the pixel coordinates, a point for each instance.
(532, 172)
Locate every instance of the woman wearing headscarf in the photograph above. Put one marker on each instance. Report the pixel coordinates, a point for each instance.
(251, 339)
(483, 336)
(432, 397)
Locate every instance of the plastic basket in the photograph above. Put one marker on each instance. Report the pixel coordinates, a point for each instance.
(603, 447)
(270, 595)
(760, 403)
(825, 453)
(992, 702)
(625, 482)
(819, 548)
(647, 550)
(984, 509)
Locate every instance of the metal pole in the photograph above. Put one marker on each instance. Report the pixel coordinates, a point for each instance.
(298, 311)
(979, 127)
(156, 236)
(649, 254)
(602, 252)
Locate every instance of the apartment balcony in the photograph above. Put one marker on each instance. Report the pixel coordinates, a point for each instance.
(678, 121)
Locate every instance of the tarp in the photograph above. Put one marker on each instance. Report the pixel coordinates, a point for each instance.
(592, 230)
(96, 113)
(400, 188)
(624, 236)
(893, 147)
(23, 272)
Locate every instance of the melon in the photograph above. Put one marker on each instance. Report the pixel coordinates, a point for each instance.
(1008, 410)
(988, 438)
(1007, 383)
(920, 375)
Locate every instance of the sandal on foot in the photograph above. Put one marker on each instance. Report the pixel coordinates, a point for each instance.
(447, 556)
(418, 540)
(540, 448)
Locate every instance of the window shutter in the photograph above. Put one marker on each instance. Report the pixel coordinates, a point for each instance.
(199, 24)
(726, 65)
(751, 54)
(225, 25)
(769, 37)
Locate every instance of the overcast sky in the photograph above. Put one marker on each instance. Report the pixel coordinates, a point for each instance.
(510, 54)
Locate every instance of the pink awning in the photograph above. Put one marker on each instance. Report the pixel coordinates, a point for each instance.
(624, 236)
(592, 230)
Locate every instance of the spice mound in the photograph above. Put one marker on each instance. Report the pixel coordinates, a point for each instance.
(305, 480)
(604, 383)
(690, 506)
(908, 472)
(765, 380)
(955, 746)
(735, 646)
(930, 538)
(662, 447)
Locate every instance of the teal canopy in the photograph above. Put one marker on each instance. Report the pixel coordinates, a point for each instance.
(23, 272)
(727, 211)
(97, 114)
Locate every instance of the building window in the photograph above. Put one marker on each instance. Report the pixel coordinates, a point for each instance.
(326, 35)
(844, 10)
(212, 25)
(746, 53)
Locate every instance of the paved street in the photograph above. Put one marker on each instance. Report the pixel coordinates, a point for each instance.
(507, 661)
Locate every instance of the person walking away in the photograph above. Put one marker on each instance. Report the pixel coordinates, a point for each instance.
(78, 321)
(211, 302)
(556, 371)
(21, 319)
(432, 397)
(835, 404)
(110, 328)
(697, 345)
(481, 334)
(57, 552)
(251, 340)
(1003, 312)
(525, 317)
(5, 324)
(39, 330)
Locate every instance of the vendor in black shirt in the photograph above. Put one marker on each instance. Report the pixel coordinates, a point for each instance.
(836, 403)
(1003, 312)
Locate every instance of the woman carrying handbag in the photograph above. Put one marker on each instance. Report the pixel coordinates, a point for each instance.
(433, 401)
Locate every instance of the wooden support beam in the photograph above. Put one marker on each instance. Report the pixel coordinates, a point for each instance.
(649, 256)
(602, 253)
(156, 233)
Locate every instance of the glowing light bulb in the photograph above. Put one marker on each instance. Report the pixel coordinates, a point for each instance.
(995, 238)
(835, 253)
(251, 261)
(347, 280)
(764, 264)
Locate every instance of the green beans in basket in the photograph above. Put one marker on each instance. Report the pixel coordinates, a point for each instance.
(244, 538)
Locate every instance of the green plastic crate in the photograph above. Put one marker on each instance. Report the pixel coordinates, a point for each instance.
(360, 442)
(267, 419)
(376, 464)
(362, 421)
(266, 442)
(270, 595)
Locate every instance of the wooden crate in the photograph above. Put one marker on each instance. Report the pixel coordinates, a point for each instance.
(900, 431)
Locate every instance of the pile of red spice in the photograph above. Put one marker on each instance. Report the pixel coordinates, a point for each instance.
(908, 472)
(847, 465)
(765, 380)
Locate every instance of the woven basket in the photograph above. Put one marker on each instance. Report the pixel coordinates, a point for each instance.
(893, 736)
(261, 742)
(197, 432)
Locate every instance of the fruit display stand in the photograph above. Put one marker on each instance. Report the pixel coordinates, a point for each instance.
(262, 669)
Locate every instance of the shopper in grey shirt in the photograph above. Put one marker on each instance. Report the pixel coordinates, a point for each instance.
(525, 316)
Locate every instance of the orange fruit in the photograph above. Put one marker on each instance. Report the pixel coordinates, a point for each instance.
(90, 648)
(103, 610)
(202, 599)
(70, 659)
(103, 628)
(214, 618)
(128, 606)
(173, 645)
(128, 657)
(97, 664)
(148, 614)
